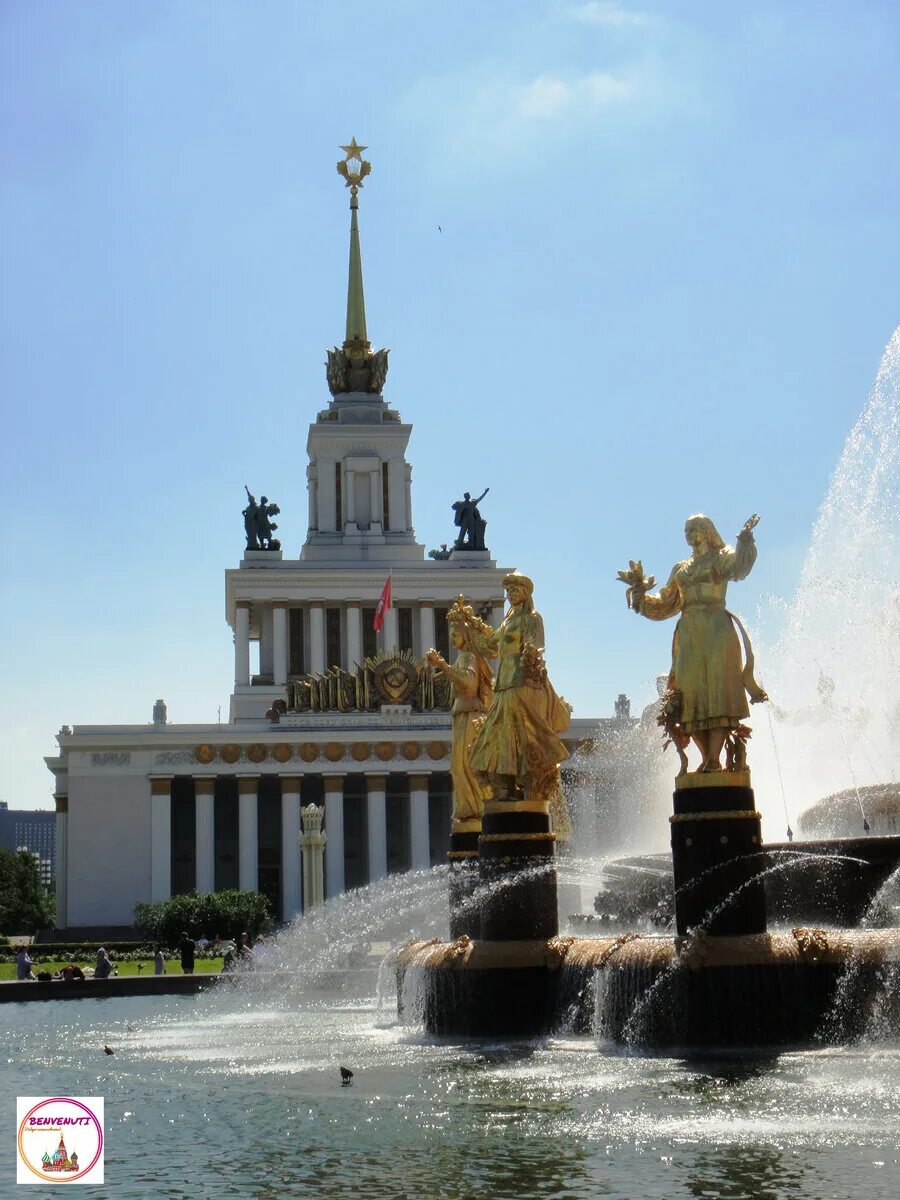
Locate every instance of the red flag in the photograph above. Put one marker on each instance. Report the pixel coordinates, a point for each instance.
(384, 603)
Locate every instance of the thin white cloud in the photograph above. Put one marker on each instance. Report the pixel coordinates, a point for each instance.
(610, 14)
(549, 97)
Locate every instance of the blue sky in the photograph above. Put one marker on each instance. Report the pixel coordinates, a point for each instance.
(667, 269)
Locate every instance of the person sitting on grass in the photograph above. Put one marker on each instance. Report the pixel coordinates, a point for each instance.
(70, 973)
(104, 967)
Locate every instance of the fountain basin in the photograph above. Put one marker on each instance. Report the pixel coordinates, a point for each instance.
(769, 989)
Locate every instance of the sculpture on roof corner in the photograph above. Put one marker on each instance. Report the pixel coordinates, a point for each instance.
(257, 524)
(355, 366)
(706, 700)
(469, 522)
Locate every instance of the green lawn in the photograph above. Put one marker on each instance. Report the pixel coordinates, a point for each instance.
(205, 966)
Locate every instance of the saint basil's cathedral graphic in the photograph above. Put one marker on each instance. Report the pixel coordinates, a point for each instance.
(60, 1160)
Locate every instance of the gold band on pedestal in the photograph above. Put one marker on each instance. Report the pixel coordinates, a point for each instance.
(706, 779)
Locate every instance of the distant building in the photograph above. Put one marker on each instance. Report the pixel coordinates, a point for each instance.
(33, 830)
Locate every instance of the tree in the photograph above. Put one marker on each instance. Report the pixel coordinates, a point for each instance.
(25, 905)
(227, 913)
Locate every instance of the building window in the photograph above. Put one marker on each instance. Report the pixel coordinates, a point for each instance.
(405, 628)
(385, 500)
(338, 497)
(295, 637)
(333, 637)
(370, 639)
(442, 632)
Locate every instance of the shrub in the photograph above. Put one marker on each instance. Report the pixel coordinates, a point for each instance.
(225, 913)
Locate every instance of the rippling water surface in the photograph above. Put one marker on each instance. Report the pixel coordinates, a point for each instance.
(230, 1095)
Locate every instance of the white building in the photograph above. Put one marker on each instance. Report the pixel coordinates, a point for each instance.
(168, 808)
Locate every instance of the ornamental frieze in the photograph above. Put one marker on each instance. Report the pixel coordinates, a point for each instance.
(385, 679)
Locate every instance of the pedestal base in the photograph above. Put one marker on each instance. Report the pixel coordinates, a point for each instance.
(717, 855)
(517, 874)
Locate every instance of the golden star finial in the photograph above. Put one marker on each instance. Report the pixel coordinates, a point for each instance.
(354, 150)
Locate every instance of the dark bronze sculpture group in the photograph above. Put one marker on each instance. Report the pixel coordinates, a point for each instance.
(257, 524)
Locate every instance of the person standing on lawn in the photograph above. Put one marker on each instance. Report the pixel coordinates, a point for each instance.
(187, 948)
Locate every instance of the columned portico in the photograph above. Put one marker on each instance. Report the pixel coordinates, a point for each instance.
(248, 832)
(291, 905)
(160, 838)
(204, 789)
(334, 830)
(419, 851)
(376, 826)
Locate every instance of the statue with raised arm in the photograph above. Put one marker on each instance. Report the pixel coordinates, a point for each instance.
(517, 750)
(257, 524)
(470, 522)
(706, 701)
(472, 684)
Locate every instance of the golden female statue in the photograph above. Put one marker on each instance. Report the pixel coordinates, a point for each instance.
(517, 750)
(706, 702)
(472, 684)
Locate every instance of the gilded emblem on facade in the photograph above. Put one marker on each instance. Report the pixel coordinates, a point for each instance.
(204, 754)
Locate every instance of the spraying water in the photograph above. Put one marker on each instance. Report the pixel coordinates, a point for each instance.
(834, 673)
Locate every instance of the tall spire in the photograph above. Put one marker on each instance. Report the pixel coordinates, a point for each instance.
(355, 367)
(356, 300)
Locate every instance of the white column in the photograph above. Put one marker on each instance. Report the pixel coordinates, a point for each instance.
(349, 496)
(291, 905)
(419, 844)
(312, 484)
(397, 494)
(317, 638)
(426, 626)
(496, 613)
(390, 630)
(204, 820)
(375, 513)
(242, 644)
(354, 634)
(279, 643)
(62, 860)
(408, 482)
(248, 833)
(376, 814)
(160, 839)
(334, 829)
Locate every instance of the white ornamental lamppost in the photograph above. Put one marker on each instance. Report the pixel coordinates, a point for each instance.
(312, 844)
